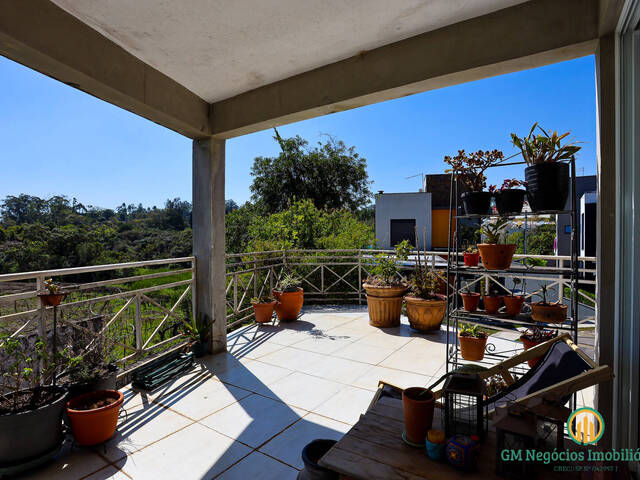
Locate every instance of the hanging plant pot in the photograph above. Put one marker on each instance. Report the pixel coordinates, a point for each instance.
(94, 416)
(476, 203)
(496, 256)
(51, 299)
(547, 186)
(472, 348)
(509, 201)
(417, 405)
(425, 315)
(471, 259)
(513, 304)
(470, 301)
(288, 304)
(264, 311)
(549, 312)
(492, 303)
(311, 454)
(384, 304)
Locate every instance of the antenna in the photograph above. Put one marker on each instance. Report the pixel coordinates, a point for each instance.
(421, 175)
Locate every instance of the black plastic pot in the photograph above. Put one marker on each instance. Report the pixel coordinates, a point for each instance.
(509, 201)
(547, 186)
(476, 203)
(29, 435)
(310, 456)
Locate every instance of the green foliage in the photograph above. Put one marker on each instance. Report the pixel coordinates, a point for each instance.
(544, 148)
(290, 282)
(495, 231)
(330, 175)
(468, 330)
(264, 298)
(539, 241)
(385, 268)
(471, 167)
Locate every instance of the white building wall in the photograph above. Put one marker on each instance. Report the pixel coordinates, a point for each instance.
(403, 206)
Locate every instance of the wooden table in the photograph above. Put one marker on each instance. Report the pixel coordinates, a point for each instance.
(374, 450)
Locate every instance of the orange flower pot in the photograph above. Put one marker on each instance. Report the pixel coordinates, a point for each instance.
(527, 345)
(549, 312)
(417, 405)
(470, 301)
(51, 299)
(496, 256)
(288, 304)
(425, 315)
(513, 304)
(384, 304)
(95, 426)
(492, 303)
(264, 311)
(471, 259)
(472, 348)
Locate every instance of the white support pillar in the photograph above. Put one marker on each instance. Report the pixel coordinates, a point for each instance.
(208, 238)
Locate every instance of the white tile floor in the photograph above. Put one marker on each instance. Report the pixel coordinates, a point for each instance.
(248, 413)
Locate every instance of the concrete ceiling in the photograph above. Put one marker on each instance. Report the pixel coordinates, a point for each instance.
(221, 48)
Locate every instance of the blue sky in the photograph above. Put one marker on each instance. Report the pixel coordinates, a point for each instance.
(57, 140)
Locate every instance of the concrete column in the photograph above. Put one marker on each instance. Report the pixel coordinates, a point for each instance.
(208, 238)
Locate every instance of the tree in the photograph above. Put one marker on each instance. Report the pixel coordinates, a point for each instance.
(331, 175)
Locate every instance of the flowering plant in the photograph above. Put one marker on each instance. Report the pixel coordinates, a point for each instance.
(507, 184)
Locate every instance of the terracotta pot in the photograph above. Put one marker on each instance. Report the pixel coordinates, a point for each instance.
(385, 305)
(264, 311)
(496, 256)
(530, 344)
(470, 301)
(513, 304)
(51, 299)
(288, 304)
(492, 303)
(472, 348)
(471, 259)
(425, 315)
(95, 426)
(549, 312)
(417, 406)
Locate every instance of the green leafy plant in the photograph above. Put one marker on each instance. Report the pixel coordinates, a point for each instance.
(471, 249)
(384, 269)
(494, 232)
(200, 331)
(544, 148)
(539, 335)
(264, 298)
(51, 287)
(86, 357)
(290, 282)
(470, 167)
(468, 330)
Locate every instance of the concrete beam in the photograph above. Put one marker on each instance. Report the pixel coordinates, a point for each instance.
(527, 35)
(208, 238)
(42, 36)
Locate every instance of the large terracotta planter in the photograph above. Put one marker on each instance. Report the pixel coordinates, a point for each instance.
(492, 303)
(95, 426)
(425, 315)
(496, 256)
(384, 304)
(470, 301)
(471, 259)
(549, 312)
(288, 304)
(513, 304)
(417, 405)
(264, 311)
(472, 348)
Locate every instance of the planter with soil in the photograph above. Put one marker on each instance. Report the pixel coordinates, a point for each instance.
(513, 304)
(471, 259)
(384, 304)
(476, 203)
(549, 312)
(263, 308)
(509, 201)
(533, 337)
(288, 304)
(497, 256)
(94, 416)
(547, 186)
(311, 455)
(470, 301)
(417, 405)
(425, 315)
(492, 303)
(472, 343)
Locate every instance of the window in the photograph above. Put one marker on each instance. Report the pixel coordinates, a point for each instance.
(567, 229)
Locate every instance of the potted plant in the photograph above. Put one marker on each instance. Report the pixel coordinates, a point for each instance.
(547, 173)
(471, 257)
(425, 307)
(494, 254)
(512, 302)
(52, 294)
(198, 334)
(289, 297)
(94, 416)
(492, 303)
(472, 342)
(30, 409)
(509, 199)
(470, 169)
(470, 299)
(417, 406)
(263, 307)
(548, 312)
(385, 288)
(535, 336)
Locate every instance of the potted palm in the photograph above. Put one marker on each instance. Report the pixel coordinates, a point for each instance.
(544, 311)
(263, 307)
(512, 302)
(509, 198)
(547, 172)
(385, 288)
(470, 169)
(472, 342)
(535, 336)
(496, 255)
(289, 297)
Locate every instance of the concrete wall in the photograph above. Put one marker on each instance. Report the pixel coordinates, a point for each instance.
(390, 206)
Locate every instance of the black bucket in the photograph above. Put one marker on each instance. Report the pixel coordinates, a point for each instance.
(547, 186)
(476, 203)
(311, 454)
(509, 201)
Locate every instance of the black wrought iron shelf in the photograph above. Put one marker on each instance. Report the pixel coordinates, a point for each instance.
(516, 215)
(520, 320)
(512, 270)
